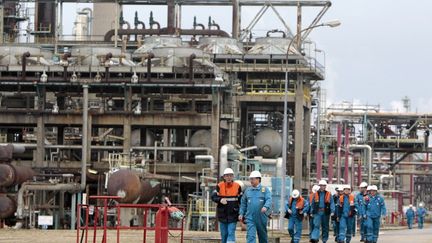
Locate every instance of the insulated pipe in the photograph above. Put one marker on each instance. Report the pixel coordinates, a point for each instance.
(191, 70)
(24, 57)
(84, 137)
(70, 187)
(369, 151)
(382, 177)
(223, 163)
(7, 151)
(7, 207)
(211, 160)
(11, 175)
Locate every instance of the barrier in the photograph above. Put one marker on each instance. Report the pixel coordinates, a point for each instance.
(161, 226)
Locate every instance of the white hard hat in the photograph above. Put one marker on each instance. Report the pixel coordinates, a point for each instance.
(295, 193)
(255, 174)
(421, 204)
(372, 188)
(363, 184)
(347, 187)
(322, 183)
(315, 188)
(410, 206)
(339, 188)
(228, 171)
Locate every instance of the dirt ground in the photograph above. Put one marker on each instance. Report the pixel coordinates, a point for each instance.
(69, 236)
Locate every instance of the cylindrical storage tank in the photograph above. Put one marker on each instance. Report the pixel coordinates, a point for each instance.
(11, 175)
(272, 45)
(156, 42)
(149, 190)
(95, 56)
(7, 207)
(269, 143)
(12, 54)
(125, 184)
(201, 138)
(220, 45)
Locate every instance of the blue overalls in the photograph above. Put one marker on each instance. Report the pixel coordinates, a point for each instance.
(335, 223)
(296, 218)
(252, 201)
(321, 213)
(410, 217)
(346, 215)
(421, 213)
(373, 210)
(359, 201)
(310, 218)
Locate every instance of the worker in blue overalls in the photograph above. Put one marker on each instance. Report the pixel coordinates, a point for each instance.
(322, 209)
(421, 213)
(255, 209)
(410, 214)
(346, 215)
(335, 222)
(359, 201)
(315, 188)
(374, 208)
(296, 208)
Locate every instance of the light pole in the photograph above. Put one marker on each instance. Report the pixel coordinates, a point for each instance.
(332, 24)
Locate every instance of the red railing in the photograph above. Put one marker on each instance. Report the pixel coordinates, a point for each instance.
(161, 226)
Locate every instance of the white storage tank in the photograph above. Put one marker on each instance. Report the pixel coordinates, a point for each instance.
(269, 143)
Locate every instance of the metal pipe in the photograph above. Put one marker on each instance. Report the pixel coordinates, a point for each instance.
(346, 171)
(330, 168)
(381, 180)
(223, 162)
(164, 31)
(11, 175)
(171, 16)
(102, 147)
(84, 137)
(211, 160)
(149, 64)
(191, 66)
(339, 144)
(24, 57)
(369, 151)
(70, 187)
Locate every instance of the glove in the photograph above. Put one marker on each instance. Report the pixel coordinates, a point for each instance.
(263, 210)
(311, 215)
(240, 218)
(289, 211)
(332, 214)
(223, 201)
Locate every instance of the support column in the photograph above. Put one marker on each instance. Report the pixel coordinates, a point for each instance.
(215, 124)
(1, 23)
(298, 134)
(127, 129)
(307, 138)
(40, 130)
(167, 134)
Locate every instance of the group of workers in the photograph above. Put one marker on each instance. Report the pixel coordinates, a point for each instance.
(410, 215)
(253, 208)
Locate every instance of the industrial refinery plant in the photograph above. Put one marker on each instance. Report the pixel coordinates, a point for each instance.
(133, 111)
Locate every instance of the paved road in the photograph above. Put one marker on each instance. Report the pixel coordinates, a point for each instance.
(407, 236)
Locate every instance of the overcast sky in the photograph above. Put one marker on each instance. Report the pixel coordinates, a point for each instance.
(381, 52)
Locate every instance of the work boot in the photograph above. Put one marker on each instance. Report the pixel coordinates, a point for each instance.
(292, 240)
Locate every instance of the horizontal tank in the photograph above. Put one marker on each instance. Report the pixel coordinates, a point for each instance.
(201, 138)
(11, 175)
(149, 190)
(12, 55)
(96, 56)
(125, 184)
(220, 45)
(7, 207)
(273, 45)
(269, 143)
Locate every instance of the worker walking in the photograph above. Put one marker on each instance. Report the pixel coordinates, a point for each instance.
(346, 215)
(315, 188)
(374, 208)
(296, 207)
(359, 201)
(255, 209)
(322, 209)
(335, 222)
(421, 213)
(410, 214)
(227, 196)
